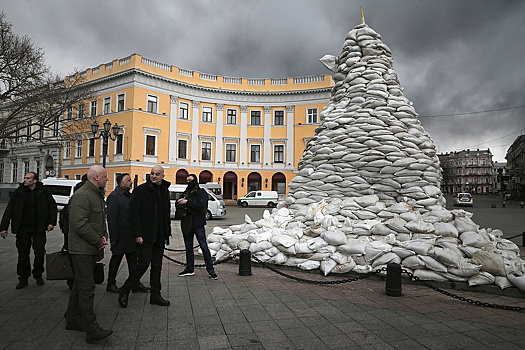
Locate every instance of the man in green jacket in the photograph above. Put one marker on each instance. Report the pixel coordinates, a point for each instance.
(87, 239)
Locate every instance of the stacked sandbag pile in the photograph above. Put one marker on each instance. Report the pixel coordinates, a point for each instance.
(368, 190)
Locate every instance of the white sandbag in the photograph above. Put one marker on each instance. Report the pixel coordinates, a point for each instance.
(302, 248)
(327, 265)
(397, 224)
(262, 245)
(446, 256)
(382, 229)
(413, 262)
(278, 259)
(402, 252)
(214, 245)
(490, 262)
(469, 251)
(316, 243)
(241, 245)
(428, 275)
(233, 239)
(283, 240)
(451, 277)
(363, 269)
(340, 258)
(344, 268)
(385, 259)
(366, 201)
(446, 229)
(420, 246)
(433, 264)
(220, 231)
(482, 278)
(465, 224)
(248, 227)
(309, 265)
(505, 244)
(473, 239)
(419, 226)
(517, 280)
(334, 237)
(502, 282)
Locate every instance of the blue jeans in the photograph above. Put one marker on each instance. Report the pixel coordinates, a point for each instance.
(200, 234)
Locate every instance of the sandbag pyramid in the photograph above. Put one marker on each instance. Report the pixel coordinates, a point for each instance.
(367, 191)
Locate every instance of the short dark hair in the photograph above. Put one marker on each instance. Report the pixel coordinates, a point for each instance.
(35, 175)
(120, 177)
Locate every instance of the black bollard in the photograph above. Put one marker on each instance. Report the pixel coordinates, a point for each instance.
(245, 263)
(393, 280)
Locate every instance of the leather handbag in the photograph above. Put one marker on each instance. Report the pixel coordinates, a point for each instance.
(58, 266)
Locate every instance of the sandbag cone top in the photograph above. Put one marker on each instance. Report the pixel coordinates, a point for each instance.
(370, 141)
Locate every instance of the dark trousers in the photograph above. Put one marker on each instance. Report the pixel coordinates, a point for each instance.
(80, 307)
(200, 234)
(25, 239)
(149, 254)
(114, 264)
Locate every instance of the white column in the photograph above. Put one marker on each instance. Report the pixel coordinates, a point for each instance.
(172, 139)
(218, 134)
(267, 146)
(243, 142)
(290, 137)
(195, 155)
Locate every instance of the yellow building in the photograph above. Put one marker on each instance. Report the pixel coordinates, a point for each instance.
(243, 133)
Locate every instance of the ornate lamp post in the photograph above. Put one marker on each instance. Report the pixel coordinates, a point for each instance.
(105, 134)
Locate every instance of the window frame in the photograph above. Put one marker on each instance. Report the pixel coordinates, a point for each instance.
(146, 148)
(207, 114)
(203, 143)
(152, 104)
(281, 117)
(312, 115)
(255, 115)
(184, 110)
(255, 150)
(78, 148)
(106, 107)
(231, 152)
(231, 116)
(278, 150)
(121, 102)
(93, 108)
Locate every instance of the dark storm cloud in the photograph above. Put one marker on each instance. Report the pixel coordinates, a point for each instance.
(451, 56)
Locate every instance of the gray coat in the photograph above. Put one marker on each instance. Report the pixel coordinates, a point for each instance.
(121, 239)
(87, 220)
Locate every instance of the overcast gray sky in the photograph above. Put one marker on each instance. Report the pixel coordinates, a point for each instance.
(451, 56)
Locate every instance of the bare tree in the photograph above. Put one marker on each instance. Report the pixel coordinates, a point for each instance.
(34, 102)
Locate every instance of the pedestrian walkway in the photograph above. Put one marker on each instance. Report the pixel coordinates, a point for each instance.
(262, 311)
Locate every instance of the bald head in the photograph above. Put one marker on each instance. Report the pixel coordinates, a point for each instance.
(156, 174)
(98, 176)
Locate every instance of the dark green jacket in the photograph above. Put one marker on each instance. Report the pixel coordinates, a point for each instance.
(87, 220)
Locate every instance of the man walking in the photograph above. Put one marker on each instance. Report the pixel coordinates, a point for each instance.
(32, 212)
(194, 202)
(87, 240)
(122, 242)
(149, 217)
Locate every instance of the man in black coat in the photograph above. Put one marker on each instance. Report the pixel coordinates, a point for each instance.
(122, 242)
(149, 218)
(32, 212)
(194, 204)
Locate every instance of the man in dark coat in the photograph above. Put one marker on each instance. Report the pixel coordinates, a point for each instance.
(122, 242)
(32, 212)
(149, 218)
(194, 204)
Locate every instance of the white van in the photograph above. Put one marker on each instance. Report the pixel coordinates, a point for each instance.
(61, 189)
(259, 198)
(214, 187)
(216, 206)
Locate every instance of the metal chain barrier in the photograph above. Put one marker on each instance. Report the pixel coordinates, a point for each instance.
(516, 236)
(179, 250)
(231, 257)
(455, 296)
(316, 281)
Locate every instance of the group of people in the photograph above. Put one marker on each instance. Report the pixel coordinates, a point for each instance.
(139, 228)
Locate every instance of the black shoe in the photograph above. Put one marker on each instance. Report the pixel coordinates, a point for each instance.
(186, 273)
(39, 281)
(112, 288)
(98, 334)
(75, 326)
(141, 289)
(214, 276)
(21, 284)
(123, 298)
(158, 300)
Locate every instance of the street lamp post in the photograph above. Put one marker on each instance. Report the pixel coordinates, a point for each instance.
(105, 134)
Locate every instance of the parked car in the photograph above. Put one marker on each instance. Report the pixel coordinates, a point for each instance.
(463, 199)
(216, 206)
(259, 198)
(61, 189)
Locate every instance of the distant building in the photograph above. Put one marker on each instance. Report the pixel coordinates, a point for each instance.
(243, 133)
(467, 171)
(500, 178)
(516, 168)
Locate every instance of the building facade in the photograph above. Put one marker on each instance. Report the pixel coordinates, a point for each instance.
(467, 171)
(516, 168)
(243, 133)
